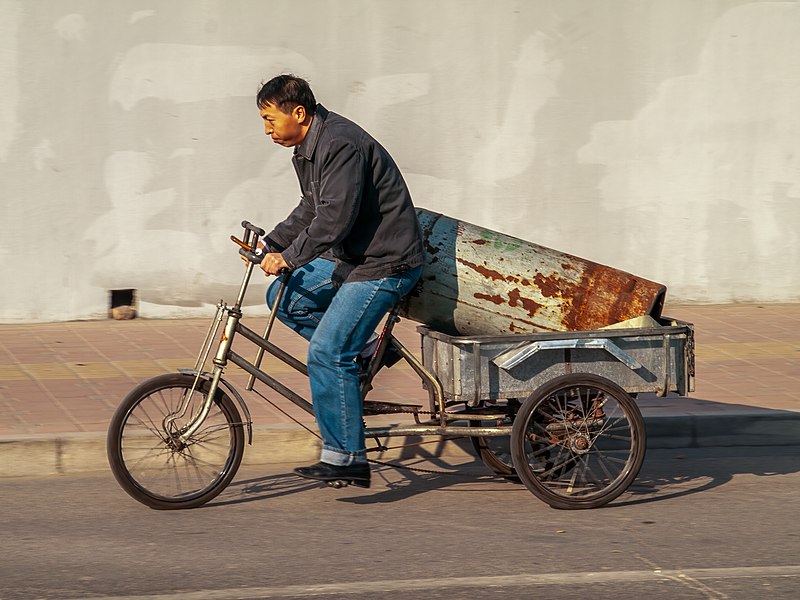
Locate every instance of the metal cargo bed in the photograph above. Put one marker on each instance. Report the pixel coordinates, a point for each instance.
(472, 369)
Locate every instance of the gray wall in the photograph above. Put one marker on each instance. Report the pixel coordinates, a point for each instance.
(657, 136)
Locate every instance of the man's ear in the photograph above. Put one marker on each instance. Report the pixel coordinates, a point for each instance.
(299, 113)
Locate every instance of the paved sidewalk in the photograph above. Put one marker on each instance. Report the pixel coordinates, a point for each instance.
(60, 383)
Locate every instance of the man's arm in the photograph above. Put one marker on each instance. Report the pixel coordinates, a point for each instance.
(338, 199)
(287, 230)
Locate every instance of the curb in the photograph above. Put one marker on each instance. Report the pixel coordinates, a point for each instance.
(64, 454)
(776, 428)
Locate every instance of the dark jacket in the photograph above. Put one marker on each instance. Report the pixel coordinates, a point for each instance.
(354, 203)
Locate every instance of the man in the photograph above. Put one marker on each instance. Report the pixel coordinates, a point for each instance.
(354, 248)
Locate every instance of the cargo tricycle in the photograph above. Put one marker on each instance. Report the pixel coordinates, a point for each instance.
(553, 410)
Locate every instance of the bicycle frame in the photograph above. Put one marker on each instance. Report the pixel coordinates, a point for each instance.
(438, 425)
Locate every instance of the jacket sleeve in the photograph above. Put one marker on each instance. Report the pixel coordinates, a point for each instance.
(286, 231)
(337, 196)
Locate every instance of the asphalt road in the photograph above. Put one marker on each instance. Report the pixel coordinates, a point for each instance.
(716, 523)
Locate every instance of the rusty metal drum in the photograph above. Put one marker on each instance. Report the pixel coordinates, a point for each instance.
(480, 282)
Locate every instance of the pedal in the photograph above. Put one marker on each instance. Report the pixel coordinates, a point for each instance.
(340, 483)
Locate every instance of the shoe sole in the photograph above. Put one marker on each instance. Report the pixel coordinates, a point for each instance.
(338, 482)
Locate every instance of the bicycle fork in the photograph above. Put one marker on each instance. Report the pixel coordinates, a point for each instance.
(181, 436)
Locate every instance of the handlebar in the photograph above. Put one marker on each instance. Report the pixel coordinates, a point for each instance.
(249, 248)
(250, 227)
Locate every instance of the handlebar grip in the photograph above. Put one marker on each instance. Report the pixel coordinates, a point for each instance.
(252, 256)
(257, 230)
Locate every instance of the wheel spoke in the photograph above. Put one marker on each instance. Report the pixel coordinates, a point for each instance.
(152, 427)
(152, 453)
(601, 463)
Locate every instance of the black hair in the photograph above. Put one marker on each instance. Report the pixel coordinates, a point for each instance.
(286, 92)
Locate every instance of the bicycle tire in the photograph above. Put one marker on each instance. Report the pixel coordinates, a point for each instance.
(494, 457)
(156, 468)
(578, 441)
(495, 452)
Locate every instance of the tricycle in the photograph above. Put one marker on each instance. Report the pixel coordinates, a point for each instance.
(553, 410)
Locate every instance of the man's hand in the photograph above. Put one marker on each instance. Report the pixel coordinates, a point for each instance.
(273, 263)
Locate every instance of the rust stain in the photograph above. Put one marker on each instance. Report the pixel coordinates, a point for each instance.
(605, 296)
(485, 271)
(493, 299)
(479, 242)
(489, 273)
(516, 298)
(549, 287)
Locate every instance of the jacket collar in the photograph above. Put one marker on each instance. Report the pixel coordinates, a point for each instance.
(309, 143)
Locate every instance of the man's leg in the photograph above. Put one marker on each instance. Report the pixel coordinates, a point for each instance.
(354, 313)
(307, 296)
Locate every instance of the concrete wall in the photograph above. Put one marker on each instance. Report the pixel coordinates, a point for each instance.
(660, 137)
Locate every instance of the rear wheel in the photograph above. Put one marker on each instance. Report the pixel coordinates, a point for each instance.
(152, 463)
(495, 451)
(578, 442)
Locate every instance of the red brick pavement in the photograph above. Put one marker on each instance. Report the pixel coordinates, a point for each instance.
(58, 378)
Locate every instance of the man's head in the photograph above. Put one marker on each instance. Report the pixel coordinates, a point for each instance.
(287, 105)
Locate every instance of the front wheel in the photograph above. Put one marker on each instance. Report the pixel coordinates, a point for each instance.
(152, 463)
(578, 441)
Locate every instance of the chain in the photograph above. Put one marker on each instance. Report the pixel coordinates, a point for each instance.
(286, 414)
(382, 448)
(398, 408)
(419, 470)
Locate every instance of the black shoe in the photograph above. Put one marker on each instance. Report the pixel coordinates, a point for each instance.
(335, 475)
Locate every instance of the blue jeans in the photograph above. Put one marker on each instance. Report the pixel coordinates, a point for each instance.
(337, 322)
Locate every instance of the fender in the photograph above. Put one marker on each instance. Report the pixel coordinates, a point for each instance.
(236, 395)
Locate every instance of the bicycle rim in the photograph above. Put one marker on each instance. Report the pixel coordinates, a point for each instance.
(583, 442)
(157, 468)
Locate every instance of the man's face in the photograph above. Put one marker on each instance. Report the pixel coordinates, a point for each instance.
(286, 129)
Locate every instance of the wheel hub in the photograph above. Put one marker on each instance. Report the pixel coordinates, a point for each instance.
(175, 444)
(580, 444)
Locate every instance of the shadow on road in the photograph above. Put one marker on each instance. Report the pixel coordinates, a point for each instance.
(262, 488)
(669, 474)
(414, 472)
(665, 475)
